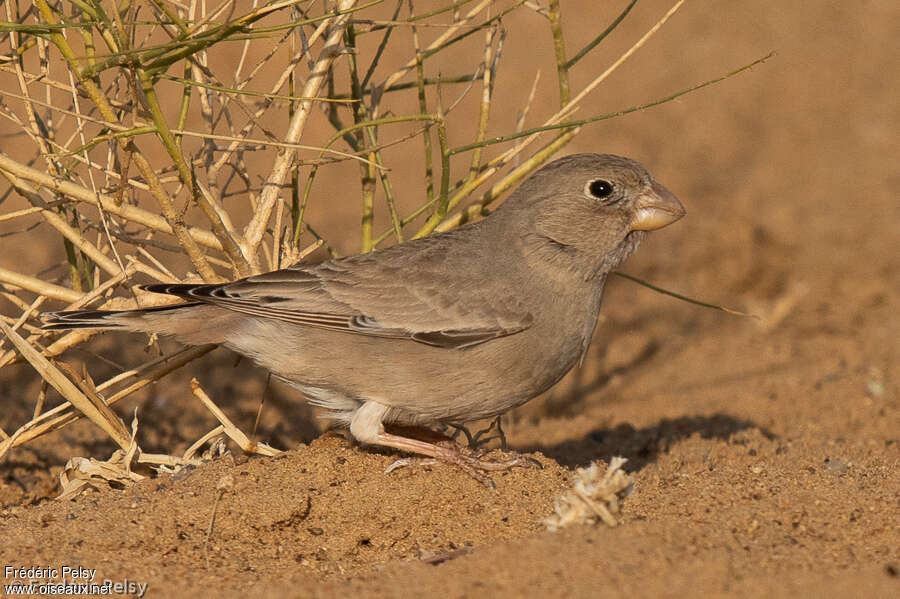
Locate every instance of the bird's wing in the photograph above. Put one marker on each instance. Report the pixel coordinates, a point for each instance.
(370, 296)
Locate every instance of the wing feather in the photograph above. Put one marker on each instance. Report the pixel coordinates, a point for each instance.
(369, 295)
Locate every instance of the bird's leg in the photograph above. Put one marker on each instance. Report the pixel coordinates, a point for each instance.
(462, 429)
(483, 436)
(367, 426)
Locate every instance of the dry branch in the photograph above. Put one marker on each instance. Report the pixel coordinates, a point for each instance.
(253, 234)
(96, 410)
(77, 192)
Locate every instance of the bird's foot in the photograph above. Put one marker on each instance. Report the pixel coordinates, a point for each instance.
(448, 452)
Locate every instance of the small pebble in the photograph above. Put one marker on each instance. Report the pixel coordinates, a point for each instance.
(836, 465)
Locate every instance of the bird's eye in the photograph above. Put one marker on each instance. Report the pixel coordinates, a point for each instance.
(600, 188)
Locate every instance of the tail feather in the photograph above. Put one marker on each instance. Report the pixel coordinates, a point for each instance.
(78, 319)
(97, 319)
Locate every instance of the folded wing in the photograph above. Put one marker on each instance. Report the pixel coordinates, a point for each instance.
(369, 295)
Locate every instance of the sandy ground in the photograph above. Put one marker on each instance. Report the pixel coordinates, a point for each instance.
(766, 454)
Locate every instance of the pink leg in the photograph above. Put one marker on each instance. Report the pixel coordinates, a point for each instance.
(367, 427)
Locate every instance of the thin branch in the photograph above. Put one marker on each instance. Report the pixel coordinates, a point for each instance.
(559, 48)
(108, 203)
(36, 285)
(683, 298)
(255, 230)
(593, 43)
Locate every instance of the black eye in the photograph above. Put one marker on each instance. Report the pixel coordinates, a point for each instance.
(600, 189)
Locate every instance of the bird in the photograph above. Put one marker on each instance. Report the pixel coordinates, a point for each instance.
(449, 328)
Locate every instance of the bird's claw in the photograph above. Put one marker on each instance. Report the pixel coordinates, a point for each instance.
(469, 461)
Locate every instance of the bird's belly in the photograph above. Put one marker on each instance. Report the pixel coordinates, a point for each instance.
(421, 383)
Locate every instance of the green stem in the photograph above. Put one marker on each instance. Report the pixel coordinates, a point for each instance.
(559, 48)
(443, 199)
(683, 298)
(590, 46)
(367, 170)
(603, 117)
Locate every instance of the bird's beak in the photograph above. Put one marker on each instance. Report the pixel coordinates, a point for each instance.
(656, 209)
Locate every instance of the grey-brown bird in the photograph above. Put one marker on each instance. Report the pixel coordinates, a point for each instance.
(451, 328)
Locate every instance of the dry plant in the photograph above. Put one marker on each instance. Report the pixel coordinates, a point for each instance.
(150, 131)
(596, 496)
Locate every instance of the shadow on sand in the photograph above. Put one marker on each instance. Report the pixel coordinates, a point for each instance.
(642, 446)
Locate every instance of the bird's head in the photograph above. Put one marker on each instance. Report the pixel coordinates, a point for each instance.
(590, 211)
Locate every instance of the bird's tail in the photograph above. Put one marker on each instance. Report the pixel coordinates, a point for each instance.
(99, 319)
(192, 323)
